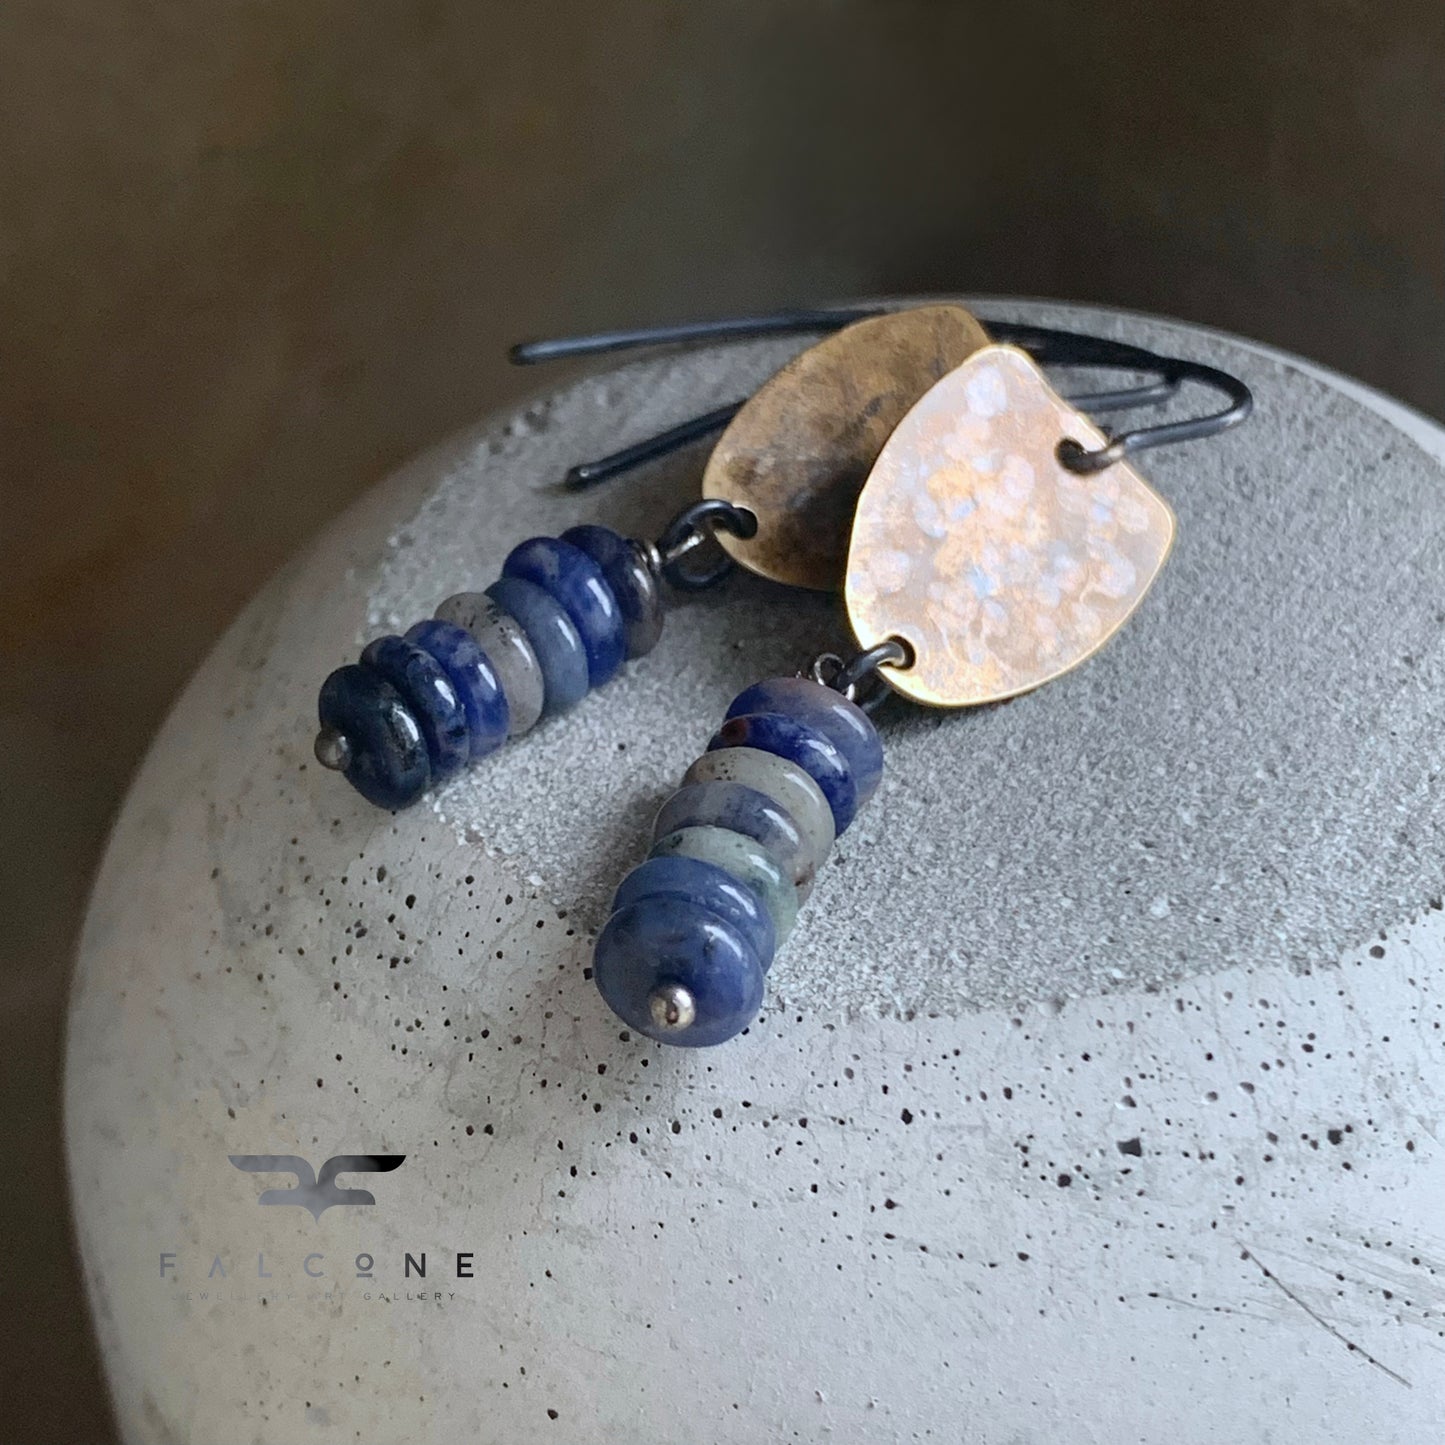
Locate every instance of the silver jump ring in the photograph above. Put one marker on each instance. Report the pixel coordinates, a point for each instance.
(891, 652)
(694, 526)
(860, 680)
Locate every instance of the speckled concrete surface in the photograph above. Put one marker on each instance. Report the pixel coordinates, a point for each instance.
(1094, 1207)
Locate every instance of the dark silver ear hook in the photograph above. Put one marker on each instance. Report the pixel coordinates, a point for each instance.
(1047, 345)
(1066, 348)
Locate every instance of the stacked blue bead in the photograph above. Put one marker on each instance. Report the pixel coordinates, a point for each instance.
(735, 850)
(560, 620)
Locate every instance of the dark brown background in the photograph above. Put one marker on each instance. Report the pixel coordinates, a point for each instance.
(253, 254)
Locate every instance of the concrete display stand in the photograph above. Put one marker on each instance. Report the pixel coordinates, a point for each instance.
(1096, 1097)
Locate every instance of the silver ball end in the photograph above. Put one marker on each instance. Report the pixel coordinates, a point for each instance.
(671, 1008)
(333, 750)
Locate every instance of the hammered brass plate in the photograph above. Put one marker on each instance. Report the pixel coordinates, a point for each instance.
(799, 451)
(972, 542)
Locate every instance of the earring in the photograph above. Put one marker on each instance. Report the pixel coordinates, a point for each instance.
(999, 539)
(694, 929)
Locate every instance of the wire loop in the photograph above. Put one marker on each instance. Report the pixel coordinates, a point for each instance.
(694, 527)
(859, 679)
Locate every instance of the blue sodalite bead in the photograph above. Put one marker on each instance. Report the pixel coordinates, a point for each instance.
(665, 940)
(743, 810)
(388, 759)
(474, 678)
(553, 636)
(842, 722)
(774, 732)
(709, 887)
(631, 581)
(429, 693)
(577, 583)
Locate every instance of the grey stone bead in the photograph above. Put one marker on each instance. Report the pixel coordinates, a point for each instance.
(746, 859)
(744, 810)
(783, 781)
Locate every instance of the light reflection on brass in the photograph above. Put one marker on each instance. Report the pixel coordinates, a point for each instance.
(800, 450)
(1000, 567)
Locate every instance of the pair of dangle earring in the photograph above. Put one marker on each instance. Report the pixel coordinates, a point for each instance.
(986, 536)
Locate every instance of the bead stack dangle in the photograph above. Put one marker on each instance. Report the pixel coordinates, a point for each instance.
(694, 928)
(564, 616)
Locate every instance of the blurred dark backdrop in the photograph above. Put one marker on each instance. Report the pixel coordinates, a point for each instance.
(254, 253)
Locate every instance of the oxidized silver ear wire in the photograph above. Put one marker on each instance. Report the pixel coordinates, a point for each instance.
(1048, 346)
(989, 539)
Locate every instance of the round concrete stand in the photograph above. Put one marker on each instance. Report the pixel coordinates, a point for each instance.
(1096, 1096)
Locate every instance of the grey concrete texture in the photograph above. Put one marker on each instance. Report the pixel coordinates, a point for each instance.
(1246, 774)
(254, 257)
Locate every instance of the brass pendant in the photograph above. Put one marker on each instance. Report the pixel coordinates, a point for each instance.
(999, 567)
(800, 450)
